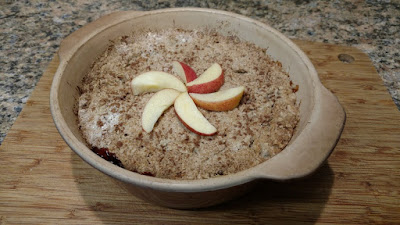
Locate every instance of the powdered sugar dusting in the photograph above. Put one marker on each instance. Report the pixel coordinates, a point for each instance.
(259, 128)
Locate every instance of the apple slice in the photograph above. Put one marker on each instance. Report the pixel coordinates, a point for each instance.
(184, 71)
(210, 81)
(153, 81)
(155, 107)
(219, 101)
(191, 117)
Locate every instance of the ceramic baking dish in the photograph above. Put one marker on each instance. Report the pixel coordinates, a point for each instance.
(321, 116)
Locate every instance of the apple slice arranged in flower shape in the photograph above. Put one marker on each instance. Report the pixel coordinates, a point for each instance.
(198, 91)
(219, 101)
(155, 107)
(210, 81)
(191, 117)
(154, 81)
(185, 72)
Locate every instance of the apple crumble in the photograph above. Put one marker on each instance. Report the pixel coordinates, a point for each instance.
(257, 129)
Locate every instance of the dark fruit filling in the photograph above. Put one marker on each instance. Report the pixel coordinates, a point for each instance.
(107, 155)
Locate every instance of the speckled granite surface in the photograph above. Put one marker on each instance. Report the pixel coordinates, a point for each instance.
(31, 32)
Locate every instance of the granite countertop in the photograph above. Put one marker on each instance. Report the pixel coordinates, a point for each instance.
(31, 33)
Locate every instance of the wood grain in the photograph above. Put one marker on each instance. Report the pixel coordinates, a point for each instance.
(43, 182)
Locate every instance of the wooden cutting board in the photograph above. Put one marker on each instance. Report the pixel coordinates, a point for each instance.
(43, 182)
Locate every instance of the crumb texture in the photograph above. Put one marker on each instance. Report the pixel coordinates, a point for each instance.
(259, 128)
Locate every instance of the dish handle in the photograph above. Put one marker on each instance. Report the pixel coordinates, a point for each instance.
(77, 38)
(313, 146)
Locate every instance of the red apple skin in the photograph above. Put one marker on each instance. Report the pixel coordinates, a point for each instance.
(193, 130)
(209, 87)
(189, 72)
(226, 105)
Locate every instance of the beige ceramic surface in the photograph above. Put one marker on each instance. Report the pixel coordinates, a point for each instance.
(321, 120)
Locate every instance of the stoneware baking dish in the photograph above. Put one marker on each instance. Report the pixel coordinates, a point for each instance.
(321, 116)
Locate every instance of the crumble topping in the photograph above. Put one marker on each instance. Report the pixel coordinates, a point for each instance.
(259, 128)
